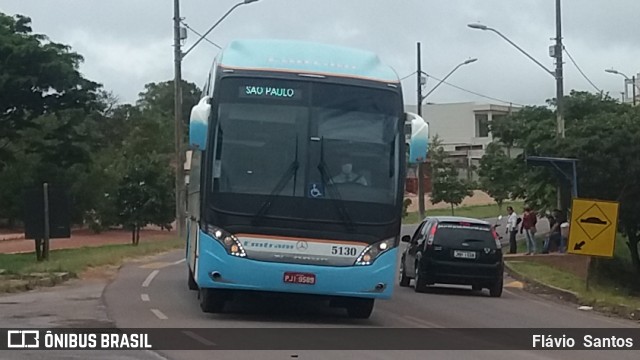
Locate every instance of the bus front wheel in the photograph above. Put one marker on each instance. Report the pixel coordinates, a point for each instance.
(360, 308)
(211, 301)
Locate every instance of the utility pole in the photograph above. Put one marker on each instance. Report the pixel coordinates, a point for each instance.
(559, 72)
(179, 156)
(633, 87)
(559, 92)
(421, 209)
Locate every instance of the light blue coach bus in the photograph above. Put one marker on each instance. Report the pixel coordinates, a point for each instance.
(297, 174)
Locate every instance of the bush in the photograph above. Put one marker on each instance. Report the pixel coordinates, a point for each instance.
(405, 207)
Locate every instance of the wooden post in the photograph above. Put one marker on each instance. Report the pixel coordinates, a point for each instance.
(45, 250)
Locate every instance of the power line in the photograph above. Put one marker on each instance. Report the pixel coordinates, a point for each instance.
(197, 33)
(580, 70)
(473, 92)
(413, 73)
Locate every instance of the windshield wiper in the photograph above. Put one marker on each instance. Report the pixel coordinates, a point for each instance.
(333, 191)
(291, 171)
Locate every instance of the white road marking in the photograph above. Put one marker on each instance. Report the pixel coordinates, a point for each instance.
(159, 314)
(178, 262)
(145, 297)
(199, 338)
(149, 278)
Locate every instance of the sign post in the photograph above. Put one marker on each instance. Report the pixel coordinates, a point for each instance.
(47, 216)
(593, 230)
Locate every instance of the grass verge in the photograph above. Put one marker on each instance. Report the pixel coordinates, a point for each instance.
(74, 261)
(476, 211)
(601, 297)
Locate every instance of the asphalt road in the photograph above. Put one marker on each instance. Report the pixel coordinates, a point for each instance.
(155, 295)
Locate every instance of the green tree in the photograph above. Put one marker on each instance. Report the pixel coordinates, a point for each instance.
(47, 110)
(157, 101)
(144, 195)
(159, 98)
(447, 186)
(37, 77)
(603, 135)
(499, 174)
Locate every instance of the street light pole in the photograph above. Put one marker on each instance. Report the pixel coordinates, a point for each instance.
(179, 156)
(557, 75)
(178, 56)
(634, 85)
(449, 74)
(421, 207)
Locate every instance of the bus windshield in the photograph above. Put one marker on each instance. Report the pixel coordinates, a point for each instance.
(275, 137)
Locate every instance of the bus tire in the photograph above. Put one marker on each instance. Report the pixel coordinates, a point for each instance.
(192, 282)
(211, 301)
(360, 308)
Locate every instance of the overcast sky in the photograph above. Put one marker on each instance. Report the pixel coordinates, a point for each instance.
(128, 43)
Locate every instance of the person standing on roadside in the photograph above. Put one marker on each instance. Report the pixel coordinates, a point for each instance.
(528, 226)
(512, 229)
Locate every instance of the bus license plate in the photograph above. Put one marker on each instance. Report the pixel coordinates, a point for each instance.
(464, 254)
(300, 278)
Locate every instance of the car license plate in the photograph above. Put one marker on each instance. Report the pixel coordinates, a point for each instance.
(464, 254)
(300, 278)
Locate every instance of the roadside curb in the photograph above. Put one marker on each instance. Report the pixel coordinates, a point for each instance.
(537, 287)
(32, 281)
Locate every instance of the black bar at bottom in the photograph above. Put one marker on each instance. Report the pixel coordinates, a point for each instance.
(322, 339)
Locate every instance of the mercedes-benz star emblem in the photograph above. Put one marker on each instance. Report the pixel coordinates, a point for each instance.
(302, 245)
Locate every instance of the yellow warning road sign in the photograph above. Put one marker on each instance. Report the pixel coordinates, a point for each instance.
(593, 227)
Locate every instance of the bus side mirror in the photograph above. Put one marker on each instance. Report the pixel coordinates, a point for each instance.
(199, 123)
(419, 140)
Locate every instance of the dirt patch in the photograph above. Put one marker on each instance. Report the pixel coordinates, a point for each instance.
(108, 272)
(85, 237)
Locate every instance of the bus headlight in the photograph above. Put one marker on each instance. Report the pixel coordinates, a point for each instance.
(373, 251)
(228, 240)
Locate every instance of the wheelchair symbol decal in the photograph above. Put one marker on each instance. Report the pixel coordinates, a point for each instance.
(316, 191)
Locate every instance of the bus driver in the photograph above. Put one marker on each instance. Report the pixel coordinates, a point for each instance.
(347, 175)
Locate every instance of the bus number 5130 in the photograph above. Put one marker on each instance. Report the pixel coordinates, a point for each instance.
(344, 250)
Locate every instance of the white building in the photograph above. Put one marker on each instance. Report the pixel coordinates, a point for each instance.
(463, 128)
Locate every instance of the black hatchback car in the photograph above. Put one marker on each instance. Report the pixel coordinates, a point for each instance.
(453, 250)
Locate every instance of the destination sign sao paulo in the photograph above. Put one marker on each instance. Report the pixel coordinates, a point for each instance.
(268, 91)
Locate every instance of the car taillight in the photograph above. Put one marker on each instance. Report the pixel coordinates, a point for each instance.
(496, 237)
(432, 235)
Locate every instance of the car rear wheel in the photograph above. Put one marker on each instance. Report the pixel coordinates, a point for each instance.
(496, 289)
(420, 282)
(360, 308)
(404, 280)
